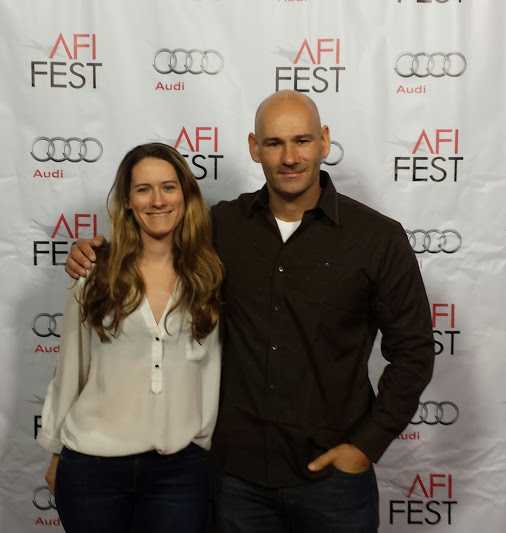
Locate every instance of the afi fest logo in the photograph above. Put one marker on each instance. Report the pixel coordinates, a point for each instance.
(421, 168)
(202, 143)
(429, 501)
(79, 71)
(55, 250)
(443, 322)
(324, 58)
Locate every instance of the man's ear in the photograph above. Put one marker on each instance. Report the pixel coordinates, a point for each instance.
(325, 138)
(253, 148)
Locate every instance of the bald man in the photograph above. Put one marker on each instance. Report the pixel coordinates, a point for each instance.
(312, 275)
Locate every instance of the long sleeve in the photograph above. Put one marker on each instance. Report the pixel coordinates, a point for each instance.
(152, 387)
(403, 316)
(70, 374)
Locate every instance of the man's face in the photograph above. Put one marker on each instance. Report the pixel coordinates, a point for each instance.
(290, 144)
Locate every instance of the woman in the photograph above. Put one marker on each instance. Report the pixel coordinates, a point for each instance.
(133, 399)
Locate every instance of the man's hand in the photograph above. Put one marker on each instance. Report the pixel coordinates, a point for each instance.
(82, 256)
(51, 472)
(345, 457)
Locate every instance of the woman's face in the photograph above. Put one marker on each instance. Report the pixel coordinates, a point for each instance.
(156, 199)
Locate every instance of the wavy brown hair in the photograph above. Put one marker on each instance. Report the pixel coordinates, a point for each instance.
(114, 288)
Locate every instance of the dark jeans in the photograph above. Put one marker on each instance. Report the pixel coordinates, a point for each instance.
(141, 493)
(340, 503)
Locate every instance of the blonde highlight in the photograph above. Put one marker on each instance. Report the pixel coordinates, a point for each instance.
(115, 288)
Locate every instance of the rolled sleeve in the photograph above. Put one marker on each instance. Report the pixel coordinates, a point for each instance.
(70, 374)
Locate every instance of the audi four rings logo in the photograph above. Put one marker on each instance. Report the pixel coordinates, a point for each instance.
(432, 413)
(43, 499)
(434, 241)
(332, 160)
(72, 149)
(194, 61)
(437, 65)
(45, 325)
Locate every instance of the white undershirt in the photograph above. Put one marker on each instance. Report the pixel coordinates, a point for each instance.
(287, 228)
(146, 390)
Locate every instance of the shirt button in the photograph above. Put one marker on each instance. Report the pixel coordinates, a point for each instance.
(280, 268)
(272, 386)
(326, 264)
(157, 338)
(275, 347)
(276, 308)
(157, 366)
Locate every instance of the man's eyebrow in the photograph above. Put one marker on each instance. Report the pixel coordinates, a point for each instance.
(294, 138)
(304, 136)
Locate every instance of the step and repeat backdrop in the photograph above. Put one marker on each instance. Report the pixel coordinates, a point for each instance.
(413, 94)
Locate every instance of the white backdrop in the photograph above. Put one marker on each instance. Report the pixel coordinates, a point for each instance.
(424, 144)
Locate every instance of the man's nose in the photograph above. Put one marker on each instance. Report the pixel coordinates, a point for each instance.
(289, 156)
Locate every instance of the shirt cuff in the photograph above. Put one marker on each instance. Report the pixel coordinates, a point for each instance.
(371, 439)
(50, 444)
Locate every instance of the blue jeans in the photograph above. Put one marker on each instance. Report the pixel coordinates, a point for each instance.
(140, 493)
(340, 503)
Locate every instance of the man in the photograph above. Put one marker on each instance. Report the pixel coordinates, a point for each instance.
(311, 277)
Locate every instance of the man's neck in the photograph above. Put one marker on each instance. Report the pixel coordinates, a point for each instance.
(292, 209)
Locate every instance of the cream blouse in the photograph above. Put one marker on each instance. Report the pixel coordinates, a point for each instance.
(145, 390)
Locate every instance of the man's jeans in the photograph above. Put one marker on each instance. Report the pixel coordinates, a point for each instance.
(340, 503)
(140, 493)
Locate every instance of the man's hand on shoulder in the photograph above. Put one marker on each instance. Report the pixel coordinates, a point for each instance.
(345, 457)
(82, 256)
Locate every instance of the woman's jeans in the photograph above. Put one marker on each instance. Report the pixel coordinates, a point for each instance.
(147, 492)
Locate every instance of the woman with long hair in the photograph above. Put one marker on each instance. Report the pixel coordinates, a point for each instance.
(134, 397)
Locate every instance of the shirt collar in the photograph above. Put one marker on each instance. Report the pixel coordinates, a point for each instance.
(327, 204)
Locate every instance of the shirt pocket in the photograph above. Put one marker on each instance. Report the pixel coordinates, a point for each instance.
(328, 283)
(195, 350)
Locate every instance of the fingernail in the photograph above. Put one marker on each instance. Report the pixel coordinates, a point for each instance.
(311, 466)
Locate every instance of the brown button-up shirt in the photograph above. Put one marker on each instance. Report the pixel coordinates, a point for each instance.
(300, 319)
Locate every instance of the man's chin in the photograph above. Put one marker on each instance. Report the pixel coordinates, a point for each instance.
(289, 193)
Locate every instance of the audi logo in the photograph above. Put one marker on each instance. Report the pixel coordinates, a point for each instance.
(437, 65)
(43, 499)
(332, 160)
(434, 241)
(181, 61)
(432, 413)
(72, 149)
(45, 325)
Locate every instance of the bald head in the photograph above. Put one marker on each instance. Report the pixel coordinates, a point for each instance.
(294, 100)
(290, 143)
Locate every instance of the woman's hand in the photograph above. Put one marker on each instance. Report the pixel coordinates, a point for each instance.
(51, 472)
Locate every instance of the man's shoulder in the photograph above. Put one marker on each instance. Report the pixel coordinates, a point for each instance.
(352, 212)
(228, 207)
